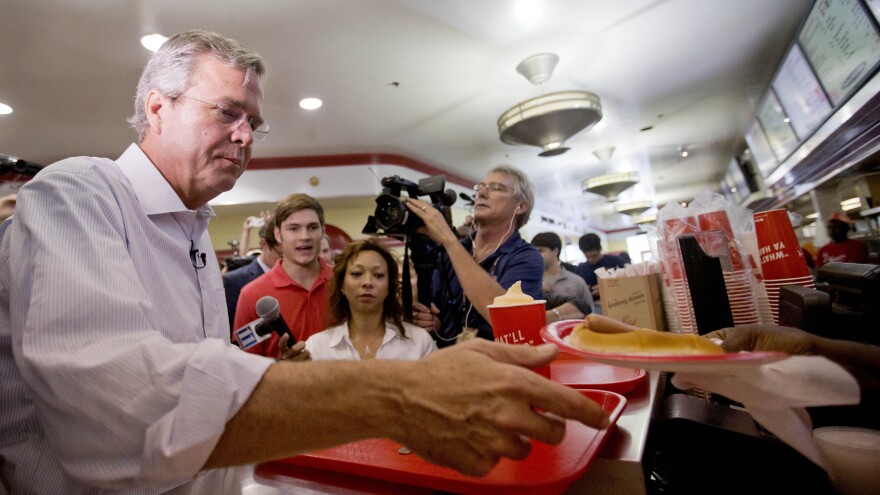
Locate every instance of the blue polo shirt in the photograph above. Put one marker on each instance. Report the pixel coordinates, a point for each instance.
(515, 260)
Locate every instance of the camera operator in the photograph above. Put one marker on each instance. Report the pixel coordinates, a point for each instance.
(472, 271)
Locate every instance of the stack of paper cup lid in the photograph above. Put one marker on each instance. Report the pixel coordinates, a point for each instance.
(737, 280)
(669, 308)
(782, 260)
(678, 286)
(743, 303)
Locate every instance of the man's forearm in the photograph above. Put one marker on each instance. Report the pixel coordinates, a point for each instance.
(862, 360)
(302, 407)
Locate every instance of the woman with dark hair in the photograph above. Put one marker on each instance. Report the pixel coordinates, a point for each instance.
(366, 316)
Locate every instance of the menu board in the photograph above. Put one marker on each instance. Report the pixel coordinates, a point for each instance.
(777, 127)
(760, 148)
(842, 45)
(800, 94)
(736, 178)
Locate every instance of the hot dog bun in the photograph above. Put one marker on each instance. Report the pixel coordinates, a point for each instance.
(641, 341)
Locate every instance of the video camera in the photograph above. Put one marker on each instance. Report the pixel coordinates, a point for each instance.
(393, 217)
(14, 164)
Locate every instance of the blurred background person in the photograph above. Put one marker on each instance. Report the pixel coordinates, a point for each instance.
(591, 246)
(235, 280)
(841, 248)
(250, 223)
(566, 293)
(365, 311)
(326, 250)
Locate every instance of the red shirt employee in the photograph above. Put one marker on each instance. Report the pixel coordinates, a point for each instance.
(841, 248)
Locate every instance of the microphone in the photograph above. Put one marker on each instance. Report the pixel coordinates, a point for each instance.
(252, 334)
(268, 310)
(195, 255)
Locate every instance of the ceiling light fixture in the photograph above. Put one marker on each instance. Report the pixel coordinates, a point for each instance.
(5, 109)
(610, 185)
(548, 120)
(645, 219)
(310, 103)
(604, 154)
(683, 152)
(153, 41)
(633, 208)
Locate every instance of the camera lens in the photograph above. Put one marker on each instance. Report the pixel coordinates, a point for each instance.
(389, 212)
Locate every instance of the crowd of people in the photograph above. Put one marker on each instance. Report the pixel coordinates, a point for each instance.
(118, 372)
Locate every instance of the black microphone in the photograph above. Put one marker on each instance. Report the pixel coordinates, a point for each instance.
(195, 256)
(270, 312)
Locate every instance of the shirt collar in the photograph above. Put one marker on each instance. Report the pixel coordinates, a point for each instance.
(340, 332)
(154, 193)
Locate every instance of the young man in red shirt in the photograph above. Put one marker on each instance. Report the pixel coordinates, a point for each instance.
(299, 281)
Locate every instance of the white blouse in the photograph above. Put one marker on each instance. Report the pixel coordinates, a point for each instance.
(335, 344)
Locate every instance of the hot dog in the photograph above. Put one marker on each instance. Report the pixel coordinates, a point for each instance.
(615, 337)
(604, 324)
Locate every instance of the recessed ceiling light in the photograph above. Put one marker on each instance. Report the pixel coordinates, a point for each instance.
(5, 109)
(310, 103)
(528, 12)
(153, 41)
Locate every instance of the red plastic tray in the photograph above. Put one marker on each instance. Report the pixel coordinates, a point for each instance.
(547, 469)
(576, 372)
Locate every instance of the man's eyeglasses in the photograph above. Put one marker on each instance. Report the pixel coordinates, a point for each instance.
(493, 186)
(228, 115)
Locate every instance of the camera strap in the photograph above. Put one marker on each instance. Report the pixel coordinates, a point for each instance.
(406, 284)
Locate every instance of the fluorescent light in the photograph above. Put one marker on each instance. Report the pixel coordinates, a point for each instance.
(5, 109)
(812, 215)
(310, 103)
(851, 204)
(153, 41)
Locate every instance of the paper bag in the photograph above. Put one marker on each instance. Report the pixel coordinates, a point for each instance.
(634, 300)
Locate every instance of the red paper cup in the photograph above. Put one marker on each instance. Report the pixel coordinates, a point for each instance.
(520, 324)
(781, 255)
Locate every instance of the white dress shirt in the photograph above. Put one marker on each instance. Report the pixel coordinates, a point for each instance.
(115, 364)
(335, 344)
